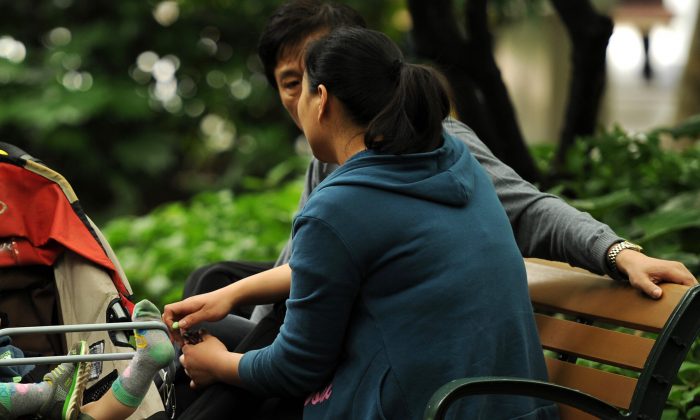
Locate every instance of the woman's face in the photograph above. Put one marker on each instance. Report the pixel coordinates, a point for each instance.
(309, 114)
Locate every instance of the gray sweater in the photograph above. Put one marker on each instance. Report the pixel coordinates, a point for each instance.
(544, 225)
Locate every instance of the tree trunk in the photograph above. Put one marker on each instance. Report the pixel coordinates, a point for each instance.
(589, 32)
(480, 96)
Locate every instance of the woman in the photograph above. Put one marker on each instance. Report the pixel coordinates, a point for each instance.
(405, 273)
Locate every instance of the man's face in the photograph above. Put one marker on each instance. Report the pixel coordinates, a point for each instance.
(288, 75)
(290, 71)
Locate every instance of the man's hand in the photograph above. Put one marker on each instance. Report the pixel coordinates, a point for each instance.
(211, 306)
(645, 273)
(208, 362)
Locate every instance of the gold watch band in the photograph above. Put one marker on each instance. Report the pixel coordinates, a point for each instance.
(615, 251)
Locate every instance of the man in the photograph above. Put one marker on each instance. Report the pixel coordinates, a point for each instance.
(544, 225)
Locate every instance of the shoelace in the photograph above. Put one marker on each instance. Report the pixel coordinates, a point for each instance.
(60, 370)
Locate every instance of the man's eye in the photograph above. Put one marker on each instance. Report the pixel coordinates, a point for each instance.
(291, 85)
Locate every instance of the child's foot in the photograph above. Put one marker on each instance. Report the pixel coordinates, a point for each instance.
(67, 384)
(154, 351)
(59, 396)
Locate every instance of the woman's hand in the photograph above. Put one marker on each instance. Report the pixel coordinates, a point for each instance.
(645, 273)
(211, 306)
(208, 362)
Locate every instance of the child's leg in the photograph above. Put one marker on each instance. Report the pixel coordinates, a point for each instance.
(153, 352)
(58, 396)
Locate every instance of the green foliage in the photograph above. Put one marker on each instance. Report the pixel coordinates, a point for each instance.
(158, 251)
(645, 191)
(649, 193)
(141, 102)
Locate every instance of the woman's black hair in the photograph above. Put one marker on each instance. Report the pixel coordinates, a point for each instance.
(293, 22)
(402, 105)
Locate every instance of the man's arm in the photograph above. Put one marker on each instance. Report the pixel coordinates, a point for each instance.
(544, 225)
(547, 227)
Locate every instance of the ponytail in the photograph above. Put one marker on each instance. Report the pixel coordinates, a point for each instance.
(411, 122)
(400, 105)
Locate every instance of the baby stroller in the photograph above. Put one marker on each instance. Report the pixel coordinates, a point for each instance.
(60, 281)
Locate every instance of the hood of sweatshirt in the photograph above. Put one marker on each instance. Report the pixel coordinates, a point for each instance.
(445, 175)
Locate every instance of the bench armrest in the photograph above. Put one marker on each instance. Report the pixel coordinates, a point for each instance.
(452, 391)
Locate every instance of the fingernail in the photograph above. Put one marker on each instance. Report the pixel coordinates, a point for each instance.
(657, 293)
(176, 325)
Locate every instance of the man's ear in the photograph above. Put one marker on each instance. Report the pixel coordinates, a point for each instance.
(324, 102)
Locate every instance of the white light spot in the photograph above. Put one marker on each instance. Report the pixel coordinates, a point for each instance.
(12, 50)
(146, 60)
(173, 105)
(208, 45)
(166, 90)
(59, 36)
(166, 12)
(240, 89)
(220, 133)
(163, 70)
(173, 59)
(625, 49)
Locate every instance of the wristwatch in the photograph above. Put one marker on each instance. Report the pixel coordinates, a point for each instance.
(615, 250)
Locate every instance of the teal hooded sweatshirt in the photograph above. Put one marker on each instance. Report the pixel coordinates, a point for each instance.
(405, 275)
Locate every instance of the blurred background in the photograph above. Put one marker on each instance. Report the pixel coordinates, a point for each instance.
(159, 115)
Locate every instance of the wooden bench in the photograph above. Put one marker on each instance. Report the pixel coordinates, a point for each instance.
(584, 316)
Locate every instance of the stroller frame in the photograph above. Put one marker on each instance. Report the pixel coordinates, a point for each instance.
(51, 329)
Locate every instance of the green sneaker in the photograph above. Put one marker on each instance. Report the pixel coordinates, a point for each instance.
(67, 383)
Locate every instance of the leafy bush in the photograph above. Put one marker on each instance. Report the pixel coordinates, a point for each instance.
(650, 194)
(645, 191)
(158, 251)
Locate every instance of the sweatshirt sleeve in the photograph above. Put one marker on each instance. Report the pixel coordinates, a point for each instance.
(325, 284)
(544, 225)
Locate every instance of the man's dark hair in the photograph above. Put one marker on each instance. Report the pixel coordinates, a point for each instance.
(292, 22)
(402, 105)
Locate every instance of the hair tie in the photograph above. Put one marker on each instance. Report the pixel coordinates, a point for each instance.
(396, 67)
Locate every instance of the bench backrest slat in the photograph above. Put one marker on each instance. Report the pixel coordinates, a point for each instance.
(593, 343)
(610, 387)
(555, 286)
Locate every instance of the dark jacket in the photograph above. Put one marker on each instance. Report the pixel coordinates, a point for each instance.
(405, 276)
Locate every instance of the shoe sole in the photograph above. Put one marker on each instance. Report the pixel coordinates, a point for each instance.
(74, 399)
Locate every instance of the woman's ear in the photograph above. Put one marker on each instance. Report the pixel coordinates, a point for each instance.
(324, 102)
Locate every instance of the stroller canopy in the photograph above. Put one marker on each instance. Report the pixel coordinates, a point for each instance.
(40, 217)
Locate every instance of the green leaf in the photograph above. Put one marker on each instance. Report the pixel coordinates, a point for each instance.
(669, 414)
(689, 373)
(663, 222)
(606, 202)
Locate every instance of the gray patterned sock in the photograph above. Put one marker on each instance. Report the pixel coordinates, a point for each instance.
(153, 352)
(21, 399)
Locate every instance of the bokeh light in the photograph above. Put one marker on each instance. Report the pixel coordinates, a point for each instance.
(12, 50)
